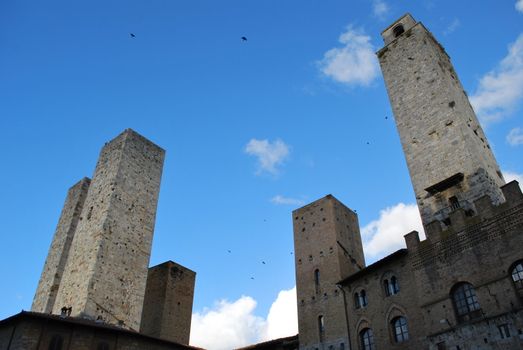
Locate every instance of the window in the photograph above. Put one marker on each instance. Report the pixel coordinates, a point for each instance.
(454, 203)
(400, 329)
(357, 304)
(56, 342)
(398, 30)
(391, 287)
(441, 346)
(367, 339)
(317, 280)
(504, 331)
(321, 327)
(517, 276)
(102, 346)
(465, 302)
(363, 298)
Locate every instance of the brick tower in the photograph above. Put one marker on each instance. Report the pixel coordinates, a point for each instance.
(328, 248)
(106, 272)
(448, 156)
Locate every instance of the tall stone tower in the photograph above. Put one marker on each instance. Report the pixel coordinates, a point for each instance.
(448, 156)
(106, 272)
(59, 251)
(167, 307)
(328, 248)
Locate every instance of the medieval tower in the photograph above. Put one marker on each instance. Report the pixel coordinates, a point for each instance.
(448, 156)
(110, 235)
(328, 248)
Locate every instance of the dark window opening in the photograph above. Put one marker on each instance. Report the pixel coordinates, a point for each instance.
(102, 346)
(454, 203)
(357, 304)
(56, 342)
(367, 339)
(363, 299)
(394, 286)
(321, 327)
(401, 331)
(441, 346)
(317, 280)
(398, 30)
(517, 276)
(465, 302)
(386, 286)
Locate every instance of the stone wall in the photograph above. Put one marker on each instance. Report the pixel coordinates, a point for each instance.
(59, 251)
(105, 275)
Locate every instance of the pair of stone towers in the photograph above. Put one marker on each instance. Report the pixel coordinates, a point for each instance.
(451, 166)
(97, 266)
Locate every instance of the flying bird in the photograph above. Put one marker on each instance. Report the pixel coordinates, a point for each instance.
(132, 35)
(252, 278)
(244, 38)
(228, 251)
(263, 262)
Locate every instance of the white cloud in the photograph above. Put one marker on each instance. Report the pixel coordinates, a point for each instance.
(282, 320)
(385, 235)
(233, 324)
(515, 136)
(279, 199)
(510, 176)
(452, 26)
(269, 154)
(354, 63)
(501, 89)
(380, 8)
(519, 5)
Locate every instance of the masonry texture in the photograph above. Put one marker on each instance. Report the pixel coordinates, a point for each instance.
(106, 271)
(167, 307)
(439, 131)
(328, 248)
(59, 251)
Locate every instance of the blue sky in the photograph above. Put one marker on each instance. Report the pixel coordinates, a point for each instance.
(253, 129)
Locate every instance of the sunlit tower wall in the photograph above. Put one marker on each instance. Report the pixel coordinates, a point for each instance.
(59, 251)
(106, 273)
(450, 161)
(328, 248)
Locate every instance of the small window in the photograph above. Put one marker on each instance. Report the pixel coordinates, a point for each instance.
(441, 346)
(465, 302)
(400, 329)
(367, 339)
(394, 285)
(398, 30)
(504, 331)
(357, 304)
(56, 342)
(386, 287)
(454, 203)
(317, 280)
(363, 298)
(321, 327)
(517, 276)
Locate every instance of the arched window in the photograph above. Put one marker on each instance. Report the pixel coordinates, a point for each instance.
(387, 288)
(357, 303)
(398, 30)
(317, 280)
(517, 276)
(56, 342)
(465, 302)
(367, 339)
(400, 329)
(321, 327)
(363, 298)
(394, 285)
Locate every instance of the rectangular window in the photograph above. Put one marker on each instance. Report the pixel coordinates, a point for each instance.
(504, 331)
(441, 346)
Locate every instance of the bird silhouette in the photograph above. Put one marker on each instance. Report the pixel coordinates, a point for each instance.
(132, 35)
(252, 278)
(228, 251)
(263, 262)
(244, 38)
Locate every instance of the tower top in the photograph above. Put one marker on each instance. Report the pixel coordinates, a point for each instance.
(397, 28)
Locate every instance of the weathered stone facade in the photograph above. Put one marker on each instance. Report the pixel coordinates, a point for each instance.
(448, 156)
(328, 248)
(462, 287)
(59, 251)
(167, 307)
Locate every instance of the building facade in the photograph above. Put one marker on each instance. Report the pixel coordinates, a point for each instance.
(462, 287)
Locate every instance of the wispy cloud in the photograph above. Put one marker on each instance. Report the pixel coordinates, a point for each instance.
(270, 155)
(354, 63)
(230, 325)
(515, 136)
(380, 8)
(452, 26)
(282, 200)
(385, 235)
(501, 89)
(519, 5)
